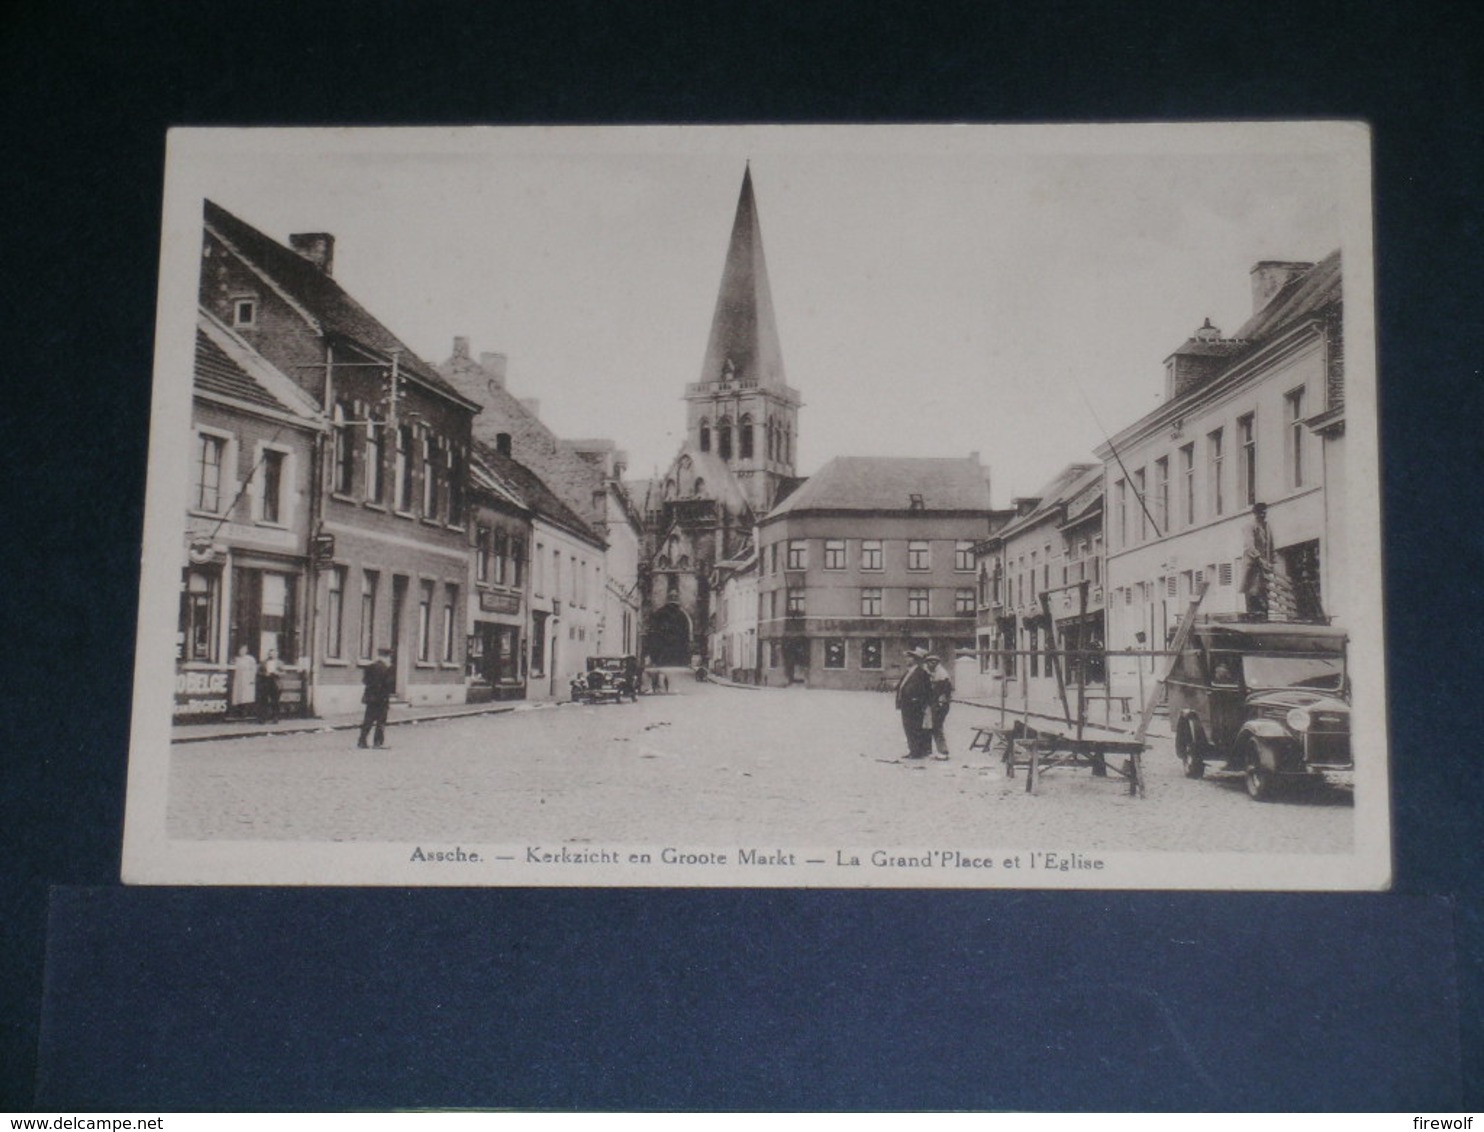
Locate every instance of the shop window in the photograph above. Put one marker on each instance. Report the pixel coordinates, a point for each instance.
(198, 616)
(834, 653)
(871, 652)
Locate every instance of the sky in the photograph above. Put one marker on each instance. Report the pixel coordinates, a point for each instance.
(1010, 291)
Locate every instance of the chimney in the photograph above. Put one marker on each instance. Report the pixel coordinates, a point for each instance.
(317, 247)
(532, 405)
(494, 365)
(502, 443)
(1270, 276)
(460, 347)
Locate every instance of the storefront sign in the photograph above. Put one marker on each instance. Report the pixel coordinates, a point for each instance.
(499, 603)
(201, 691)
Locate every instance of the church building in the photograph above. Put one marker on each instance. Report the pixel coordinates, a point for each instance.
(737, 460)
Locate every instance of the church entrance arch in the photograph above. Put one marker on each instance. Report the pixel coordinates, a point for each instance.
(669, 637)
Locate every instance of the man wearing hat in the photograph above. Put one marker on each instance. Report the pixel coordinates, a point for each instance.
(939, 701)
(1257, 563)
(914, 696)
(380, 681)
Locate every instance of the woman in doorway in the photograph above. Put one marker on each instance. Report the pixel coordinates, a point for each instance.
(244, 681)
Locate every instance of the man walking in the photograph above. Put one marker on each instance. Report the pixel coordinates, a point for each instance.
(913, 695)
(380, 682)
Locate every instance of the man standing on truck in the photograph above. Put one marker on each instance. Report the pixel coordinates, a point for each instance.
(1257, 563)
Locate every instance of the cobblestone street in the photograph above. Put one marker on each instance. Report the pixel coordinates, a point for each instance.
(712, 766)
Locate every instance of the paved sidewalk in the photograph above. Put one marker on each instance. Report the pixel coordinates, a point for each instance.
(344, 721)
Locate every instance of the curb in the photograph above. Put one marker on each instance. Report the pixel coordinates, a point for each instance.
(322, 728)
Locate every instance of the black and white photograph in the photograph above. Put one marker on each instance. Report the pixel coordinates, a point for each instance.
(787, 506)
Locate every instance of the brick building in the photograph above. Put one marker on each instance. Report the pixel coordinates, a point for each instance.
(387, 496)
(869, 557)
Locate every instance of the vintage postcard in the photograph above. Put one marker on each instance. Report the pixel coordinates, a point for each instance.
(933, 506)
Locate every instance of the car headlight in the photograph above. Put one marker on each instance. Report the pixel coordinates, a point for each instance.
(1300, 719)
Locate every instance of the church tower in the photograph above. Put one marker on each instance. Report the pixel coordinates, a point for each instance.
(742, 410)
(735, 462)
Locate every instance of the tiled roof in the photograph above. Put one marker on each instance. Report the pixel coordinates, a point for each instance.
(532, 490)
(887, 483)
(1065, 486)
(321, 296)
(219, 374)
(1306, 295)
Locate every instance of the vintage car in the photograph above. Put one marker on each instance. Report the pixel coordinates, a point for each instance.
(608, 679)
(1267, 700)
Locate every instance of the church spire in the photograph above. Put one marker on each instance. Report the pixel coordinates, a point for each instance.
(743, 348)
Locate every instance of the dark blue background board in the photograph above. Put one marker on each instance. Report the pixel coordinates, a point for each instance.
(87, 90)
(668, 999)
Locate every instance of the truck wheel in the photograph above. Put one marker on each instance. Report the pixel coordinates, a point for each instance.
(1261, 782)
(1188, 747)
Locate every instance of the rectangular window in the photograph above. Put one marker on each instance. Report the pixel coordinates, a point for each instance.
(963, 601)
(1187, 484)
(432, 476)
(198, 617)
(871, 554)
(335, 614)
(795, 605)
(773, 604)
(834, 652)
(834, 554)
(919, 555)
(1216, 462)
(403, 470)
(798, 554)
(272, 500)
(210, 455)
(425, 622)
(517, 562)
(481, 553)
(344, 471)
(368, 615)
(871, 652)
(502, 557)
(450, 602)
(375, 461)
(572, 580)
(1035, 561)
(1120, 509)
(1141, 499)
(453, 476)
(244, 312)
(917, 603)
(1247, 471)
(1294, 403)
(773, 555)
(963, 556)
(1161, 496)
(871, 601)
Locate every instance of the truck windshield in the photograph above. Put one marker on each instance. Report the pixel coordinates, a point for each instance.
(1267, 670)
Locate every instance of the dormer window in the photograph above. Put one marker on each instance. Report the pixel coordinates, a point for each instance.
(245, 311)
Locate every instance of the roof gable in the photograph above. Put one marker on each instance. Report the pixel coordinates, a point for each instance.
(888, 483)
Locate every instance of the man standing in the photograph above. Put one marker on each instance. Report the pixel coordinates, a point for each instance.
(939, 701)
(380, 682)
(914, 693)
(1257, 563)
(270, 689)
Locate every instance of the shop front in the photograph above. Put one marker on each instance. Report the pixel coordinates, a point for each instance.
(495, 667)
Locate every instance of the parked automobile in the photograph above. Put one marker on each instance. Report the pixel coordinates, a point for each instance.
(608, 679)
(1267, 700)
